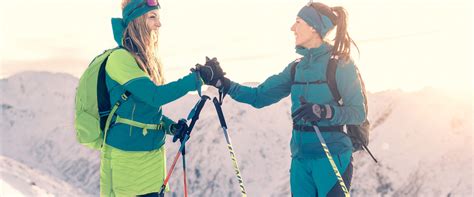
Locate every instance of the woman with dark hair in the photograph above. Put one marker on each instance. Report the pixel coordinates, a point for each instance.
(311, 173)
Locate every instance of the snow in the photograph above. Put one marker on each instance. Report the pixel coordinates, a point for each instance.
(422, 139)
(20, 180)
(7, 189)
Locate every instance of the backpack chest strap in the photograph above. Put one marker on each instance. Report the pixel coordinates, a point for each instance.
(309, 82)
(330, 78)
(306, 128)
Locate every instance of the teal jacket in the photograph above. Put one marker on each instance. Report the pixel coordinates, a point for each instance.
(312, 67)
(144, 104)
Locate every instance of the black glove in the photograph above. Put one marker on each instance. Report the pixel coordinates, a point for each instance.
(179, 129)
(211, 72)
(223, 84)
(310, 112)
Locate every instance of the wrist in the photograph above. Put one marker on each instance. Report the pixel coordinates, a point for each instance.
(206, 75)
(223, 84)
(323, 111)
(328, 111)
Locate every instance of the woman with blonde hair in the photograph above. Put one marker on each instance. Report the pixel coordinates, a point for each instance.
(133, 159)
(313, 104)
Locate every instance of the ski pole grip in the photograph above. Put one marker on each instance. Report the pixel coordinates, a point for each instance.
(200, 105)
(195, 116)
(219, 112)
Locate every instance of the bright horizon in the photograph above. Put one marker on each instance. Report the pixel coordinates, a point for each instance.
(404, 45)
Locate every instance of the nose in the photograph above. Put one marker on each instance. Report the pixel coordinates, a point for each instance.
(158, 23)
(293, 28)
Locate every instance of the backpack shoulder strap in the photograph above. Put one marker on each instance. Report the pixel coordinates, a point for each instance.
(293, 69)
(331, 79)
(364, 92)
(332, 83)
(103, 96)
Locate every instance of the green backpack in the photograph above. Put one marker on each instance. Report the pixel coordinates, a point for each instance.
(93, 111)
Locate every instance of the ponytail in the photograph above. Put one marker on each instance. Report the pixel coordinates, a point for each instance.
(342, 41)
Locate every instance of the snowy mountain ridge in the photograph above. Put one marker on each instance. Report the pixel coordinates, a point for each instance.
(20, 180)
(423, 141)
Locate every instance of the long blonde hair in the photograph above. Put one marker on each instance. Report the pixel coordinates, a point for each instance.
(142, 44)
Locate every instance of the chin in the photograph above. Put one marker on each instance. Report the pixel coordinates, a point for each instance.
(298, 42)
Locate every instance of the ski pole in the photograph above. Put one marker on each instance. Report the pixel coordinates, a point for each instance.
(229, 146)
(195, 116)
(331, 160)
(184, 173)
(370, 153)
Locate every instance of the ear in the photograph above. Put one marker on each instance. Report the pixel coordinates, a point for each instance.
(207, 59)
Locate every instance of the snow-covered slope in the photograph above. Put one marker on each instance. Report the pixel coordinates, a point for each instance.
(37, 128)
(20, 180)
(423, 141)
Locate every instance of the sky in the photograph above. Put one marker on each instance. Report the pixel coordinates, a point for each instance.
(403, 44)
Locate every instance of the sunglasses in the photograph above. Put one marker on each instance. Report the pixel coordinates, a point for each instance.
(152, 3)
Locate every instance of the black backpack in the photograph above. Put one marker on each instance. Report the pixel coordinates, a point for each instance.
(359, 134)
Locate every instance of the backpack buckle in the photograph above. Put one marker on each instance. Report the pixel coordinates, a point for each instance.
(124, 97)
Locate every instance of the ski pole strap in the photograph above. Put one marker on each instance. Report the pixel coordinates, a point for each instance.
(306, 128)
(221, 96)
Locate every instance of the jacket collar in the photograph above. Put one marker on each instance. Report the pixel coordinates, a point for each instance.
(324, 48)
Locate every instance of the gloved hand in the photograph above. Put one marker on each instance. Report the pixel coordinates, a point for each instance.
(310, 112)
(179, 129)
(211, 72)
(223, 84)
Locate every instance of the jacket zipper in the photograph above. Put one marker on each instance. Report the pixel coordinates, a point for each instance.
(305, 91)
(305, 95)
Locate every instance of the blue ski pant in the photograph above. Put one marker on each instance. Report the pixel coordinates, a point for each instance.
(316, 177)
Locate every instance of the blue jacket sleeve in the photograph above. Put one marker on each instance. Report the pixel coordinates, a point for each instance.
(270, 91)
(145, 90)
(349, 86)
(123, 68)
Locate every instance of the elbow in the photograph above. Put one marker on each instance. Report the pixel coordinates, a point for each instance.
(349, 115)
(258, 105)
(362, 115)
(262, 101)
(360, 120)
